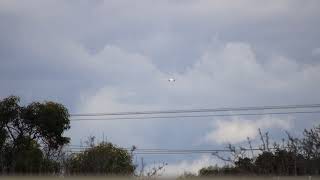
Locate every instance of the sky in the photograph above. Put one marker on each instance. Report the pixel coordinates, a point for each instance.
(117, 55)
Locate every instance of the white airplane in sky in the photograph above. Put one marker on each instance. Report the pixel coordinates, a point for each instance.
(171, 80)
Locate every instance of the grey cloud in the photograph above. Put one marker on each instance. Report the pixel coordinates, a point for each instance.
(116, 55)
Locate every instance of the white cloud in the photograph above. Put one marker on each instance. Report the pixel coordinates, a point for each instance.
(238, 129)
(230, 75)
(113, 56)
(192, 166)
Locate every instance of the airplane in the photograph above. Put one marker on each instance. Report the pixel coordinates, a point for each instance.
(171, 80)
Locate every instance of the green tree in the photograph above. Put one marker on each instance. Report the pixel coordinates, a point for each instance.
(311, 143)
(209, 171)
(29, 135)
(187, 175)
(218, 171)
(104, 159)
(265, 163)
(295, 157)
(311, 150)
(245, 165)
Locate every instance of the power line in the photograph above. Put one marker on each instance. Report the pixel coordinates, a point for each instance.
(253, 108)
(194, 116)
(163, 150)
(178, 152)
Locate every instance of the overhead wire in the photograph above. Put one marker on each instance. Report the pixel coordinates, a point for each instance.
(137, 115)
(178, 151)
(252, 108)
(194, 116)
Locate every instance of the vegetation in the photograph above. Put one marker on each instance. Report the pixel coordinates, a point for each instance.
(295, 157)
(31, 135)
(104, 159)
(32, 142)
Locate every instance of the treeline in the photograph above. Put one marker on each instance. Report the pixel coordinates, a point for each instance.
(31, 136)
(292, 157)
(32, 143)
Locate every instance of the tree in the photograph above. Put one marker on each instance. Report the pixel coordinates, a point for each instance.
(187, 175)
(104, 159)
(209, 171)
(311, 149)
(245, 165)
(218, 171)
(295, 157)
(30, 135)
(265, 163)
(311, 143)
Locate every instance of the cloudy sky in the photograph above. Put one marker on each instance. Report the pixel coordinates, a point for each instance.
(116, 55)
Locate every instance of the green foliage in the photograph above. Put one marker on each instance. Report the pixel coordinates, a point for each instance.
(49, 120)
(31, 135)
(187, 175)
(245, 165)
(209, 171)
(300, 157)
(25, 156)
(104, 159)
(25, 132)
(311, 143)
(218, 171)
(265, 163)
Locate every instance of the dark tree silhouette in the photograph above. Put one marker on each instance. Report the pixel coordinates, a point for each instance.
(30, 135)
(104, 159)
(297, 157)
